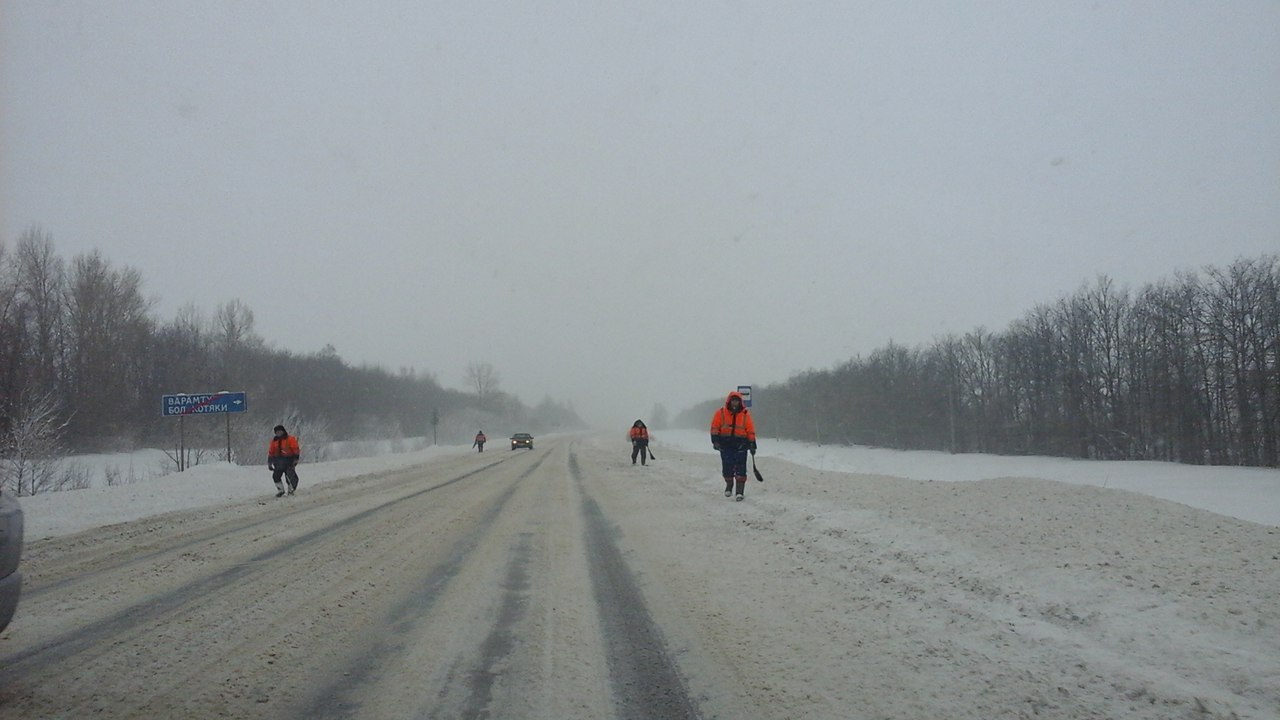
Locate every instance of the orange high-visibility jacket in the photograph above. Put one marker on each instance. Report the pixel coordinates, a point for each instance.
(733, 429)
(285, 447)
(639, 433)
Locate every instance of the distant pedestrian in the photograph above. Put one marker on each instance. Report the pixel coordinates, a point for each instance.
(639, 441)
(480, 441)
(733, 433)
(282, 457)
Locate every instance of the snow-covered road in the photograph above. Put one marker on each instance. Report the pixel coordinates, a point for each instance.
(564, 582)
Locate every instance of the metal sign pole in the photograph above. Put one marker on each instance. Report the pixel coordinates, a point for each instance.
(183, 404)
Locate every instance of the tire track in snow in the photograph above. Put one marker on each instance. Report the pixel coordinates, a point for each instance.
(203, 536)
(90, 638)
(646, 682)
(502, 638)
(338, 699)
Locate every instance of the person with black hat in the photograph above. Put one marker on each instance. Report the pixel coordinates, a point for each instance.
(282, 457)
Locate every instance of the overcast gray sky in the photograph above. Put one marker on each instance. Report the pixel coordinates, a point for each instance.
(619, 204)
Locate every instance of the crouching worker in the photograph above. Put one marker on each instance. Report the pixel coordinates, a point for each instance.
(733, 433)
(282, 457)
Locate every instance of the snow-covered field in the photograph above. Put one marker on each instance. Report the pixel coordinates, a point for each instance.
(1245, 493)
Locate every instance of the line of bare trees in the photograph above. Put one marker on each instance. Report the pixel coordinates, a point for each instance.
(84, 363)
(1184, 370)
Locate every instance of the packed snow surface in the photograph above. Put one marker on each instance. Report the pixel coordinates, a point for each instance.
(1251, 494)
(852, 583)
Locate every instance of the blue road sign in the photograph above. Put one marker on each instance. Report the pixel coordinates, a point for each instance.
(203, 403)
(745, 392)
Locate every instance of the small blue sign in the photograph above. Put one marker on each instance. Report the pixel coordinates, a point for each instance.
(745, 392)
(203, 403)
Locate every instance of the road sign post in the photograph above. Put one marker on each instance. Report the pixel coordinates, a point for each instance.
(745, 392)
(223, 401)
(183, 404)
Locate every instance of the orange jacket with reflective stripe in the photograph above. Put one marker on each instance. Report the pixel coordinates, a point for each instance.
(727, 424)
(639, 433)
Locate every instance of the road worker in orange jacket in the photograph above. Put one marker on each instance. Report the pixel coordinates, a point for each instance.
(639, 441)
(733, 433)
(283, 453)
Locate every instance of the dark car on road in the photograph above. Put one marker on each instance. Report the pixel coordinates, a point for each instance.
(10, 551)
(524, 440)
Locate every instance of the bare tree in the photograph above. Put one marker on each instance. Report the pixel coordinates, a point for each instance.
(233, 326)
(236, 341)
(188, 343)
(31, 287)
(33, 448)
(109, 335)
(41, 283)
(483, 379)
(1240, 310)
(11, 339)
(311, 429)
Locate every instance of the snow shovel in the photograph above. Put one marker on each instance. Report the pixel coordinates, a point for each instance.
(759, 477)
(651, 455)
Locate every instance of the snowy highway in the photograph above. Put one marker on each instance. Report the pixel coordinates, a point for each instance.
(564, 582)
(479, 587)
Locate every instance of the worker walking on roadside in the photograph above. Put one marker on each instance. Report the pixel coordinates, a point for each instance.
(283, 453)
(639, 441)
(733, 433)
(479, 442)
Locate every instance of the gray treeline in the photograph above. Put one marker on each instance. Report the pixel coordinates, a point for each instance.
(1185, 370)
(84, 363)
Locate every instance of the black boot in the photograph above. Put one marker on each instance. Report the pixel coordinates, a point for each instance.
(742, 485)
